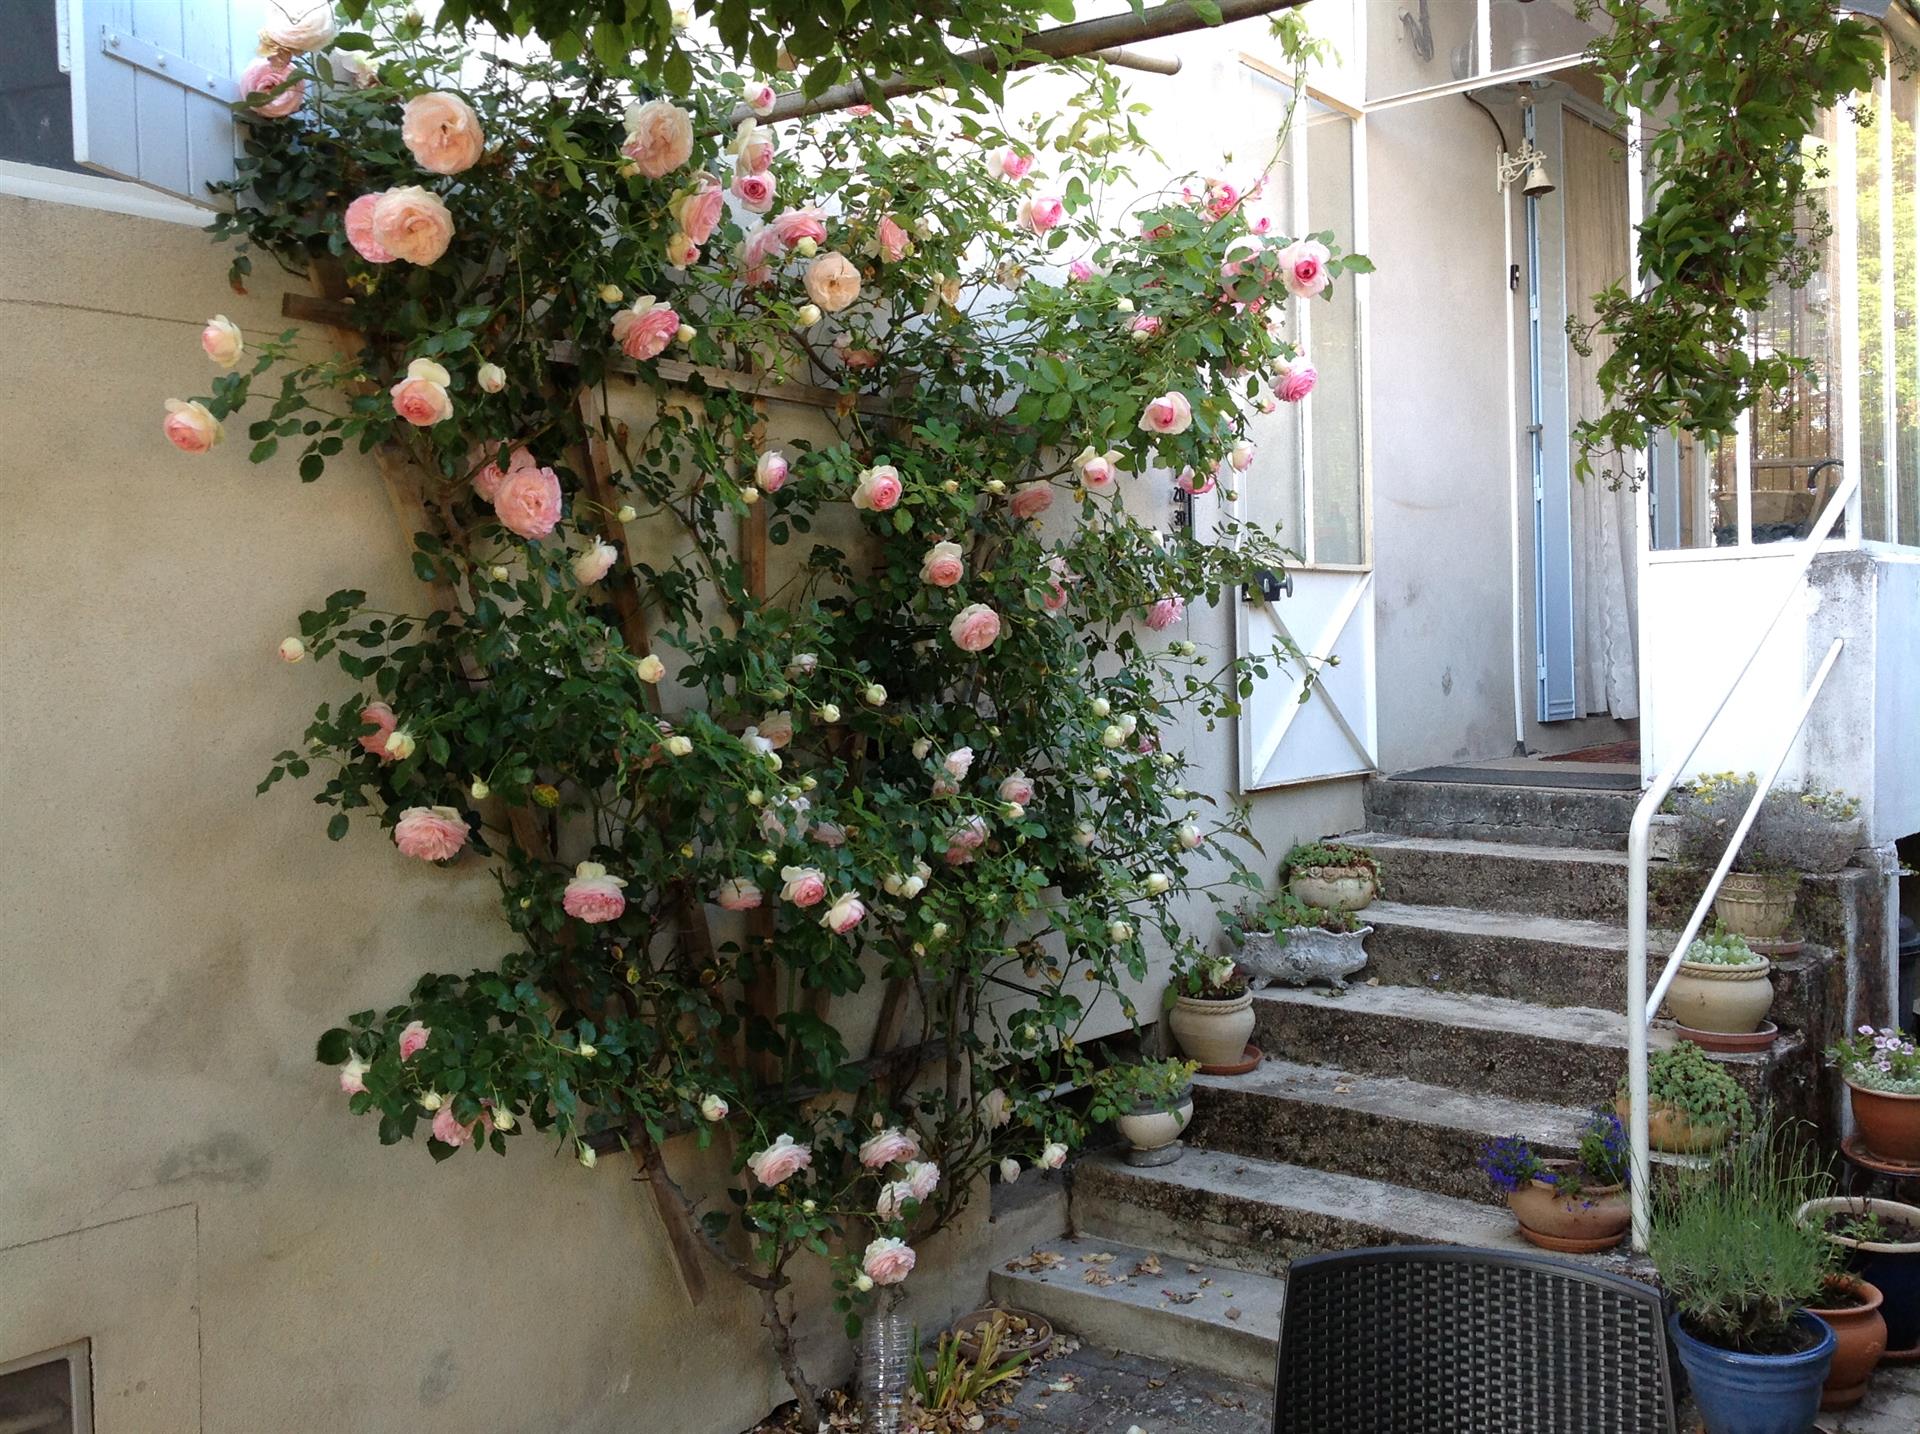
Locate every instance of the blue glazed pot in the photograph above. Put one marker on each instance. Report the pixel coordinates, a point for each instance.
(1755, 1393)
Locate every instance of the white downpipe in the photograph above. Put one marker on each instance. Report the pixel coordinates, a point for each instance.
(1505, 193)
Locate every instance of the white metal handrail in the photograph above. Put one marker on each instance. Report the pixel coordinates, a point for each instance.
(1641, 1007)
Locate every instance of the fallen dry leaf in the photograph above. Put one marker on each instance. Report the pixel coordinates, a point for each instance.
(1105, 1257)
(1185, 1299)
(1149, 1266)
(1233, 1314)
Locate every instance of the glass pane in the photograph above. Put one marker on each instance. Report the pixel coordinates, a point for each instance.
(1270, 490)
(1418, 44)
(1525, 32)
(36, 105)
(1333, 343)
(1874, 196)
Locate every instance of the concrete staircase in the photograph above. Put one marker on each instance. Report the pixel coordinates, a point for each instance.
(1493, 1004)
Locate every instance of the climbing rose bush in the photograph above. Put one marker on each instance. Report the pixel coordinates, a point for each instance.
(926, 758)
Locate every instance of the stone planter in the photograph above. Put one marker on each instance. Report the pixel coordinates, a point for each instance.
(1151, 1128)
(1730, 999)
(1861, 1331)
(1333, 888)
(1596, 1219)
(1755, 906)
(1214, 1033)
(1889, 1123)
(1672, 1132)
(1308, 954)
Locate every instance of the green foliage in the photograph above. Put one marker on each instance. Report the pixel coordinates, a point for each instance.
(1149, 1085)
(952, 1380)
(1682, 1079)
(1281, 912)
(1731, 1253)
(1731, 93)
(1810, 829)
(1884, 1059)
(1721, 947)
(1314, 856)
(1204, 978)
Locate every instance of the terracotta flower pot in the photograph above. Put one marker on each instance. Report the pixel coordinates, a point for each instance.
(1890, 1264)
(1754, 906)
(1889, 1123)
(1862, 1333)
(1213, 1033)
(1733, 1000)
(1333, 888)
(1672, 1132)
(1596, 1219)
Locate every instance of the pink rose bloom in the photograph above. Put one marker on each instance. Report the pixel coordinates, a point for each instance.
(593, 563)
(592, 896)
(1188, 482)
(359, 221)
(700, 211)
(421, 397)
(846, 913)
(1030, 500)
(413, 1039)
(832, 282)
(888, 1262)
(449, 1131)
(892, 1199)
(754, 191)
(770, 471)
(780, 1161)
(430, 833)
(860, 358)
(958, 762)
(190, 426)
(1079, 271)
(777, 728)
(859, 111)
(528, 503)
(753, 147)
(1041, 212)
(442, 132)
(893, 240)
(659, 138)
(645, 330)
(1294, 381)
(1099, 471)
(759, 97)
(974, 627)
(412, 223)
(829, 834)
(923, 1178)
(1017, 788)
(222, 341)
(803, 886)
(380, 717)
(1303, 266)
(1241, 456)
(1012, 164)
(1221, 197)
(790, 227)
(1170, 413)
(891, 1146)
(488, 475)
(943, 565)
(878, 490)
(969, 835)
(1144, 326)
(263, 75)
(353, 1077)
(1165, 613)
(1056, 597)
(738, 894)
(682, 252)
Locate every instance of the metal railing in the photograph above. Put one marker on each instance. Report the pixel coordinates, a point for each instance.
(1642, 1006)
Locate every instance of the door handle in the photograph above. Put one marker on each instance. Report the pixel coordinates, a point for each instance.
(1271, 585)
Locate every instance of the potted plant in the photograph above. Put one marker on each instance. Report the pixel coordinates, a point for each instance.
(1151, 1103)
(1331, 876)
(1721, 987)
(1692, 1104)
(1740, 1269)
(1284, 939)
(1573, 1206)
(1794, 832)
(1851, 1307)
(1878, 1240)
(1210, 1010)
(1882, 1072)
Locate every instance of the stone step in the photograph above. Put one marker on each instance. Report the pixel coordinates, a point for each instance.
(1500, 876)
(1530, 816)
(1198, 1315)
(1382, 1127)
(1567, 1055)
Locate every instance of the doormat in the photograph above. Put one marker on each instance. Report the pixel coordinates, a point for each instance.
(1564, 777)
(1627, 751)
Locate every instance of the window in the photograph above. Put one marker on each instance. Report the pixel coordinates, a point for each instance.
(49, 1393)
(1422, 46)
(36, 98)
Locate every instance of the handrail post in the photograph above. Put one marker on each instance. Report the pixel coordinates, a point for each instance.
(1640, 1167)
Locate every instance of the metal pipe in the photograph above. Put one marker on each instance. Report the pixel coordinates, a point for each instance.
(1139, 60)
(1064, 42)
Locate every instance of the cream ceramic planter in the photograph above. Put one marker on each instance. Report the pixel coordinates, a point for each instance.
(1754, 906)
(1333, 888)
(1214, 1033)
(1732, 1000)
(1154, 1129)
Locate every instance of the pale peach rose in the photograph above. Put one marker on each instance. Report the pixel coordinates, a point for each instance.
(996, 1108)
(682, 252)
(1030, 500)
(713, 1107)
(847, 912)
(298, 27)
(777, 728)
(923, 1178)
(752, 145)
(442, 132)
(974, 627)
(1017, 788)
(1144, 327)
(698, 212)
(645, 330)
(659, 137)
(412, 223)
(754, 191)
(350, 69)
(1303, 267)
(1295, 380)
(292, 649)
(891, 1146)
(859, 358)
(828, 834)
(222, 341)
(1052, 1156)
(739, 894)
(958, 762)
(491, 377)
(832, 281)
(190, 426)
(266, 74)
(887, 1261)
(380, 717)
(359, 222)
(1041, 212)
(1010, 163)
(893, 240)
(780, 1161)
(430, 833)
(770, 471)
(1099, 472)
(1189, 482)
(1165, 613)
(759, 97)
(944, 565)
(413, 1039)
(804, 886)
(1170, 413)
(793, 225)
(892, 1199)
(1241, 456)
(528, 503)
(878, 489)
(353, 1076)
(488, 475)
(448, 1130)
(421, 397)
(593, 896)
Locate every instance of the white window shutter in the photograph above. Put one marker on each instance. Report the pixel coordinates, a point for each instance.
(153, 82)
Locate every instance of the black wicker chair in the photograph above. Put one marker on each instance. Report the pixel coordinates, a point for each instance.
(1433, 1339)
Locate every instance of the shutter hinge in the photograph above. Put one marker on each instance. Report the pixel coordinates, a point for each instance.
(120, 44)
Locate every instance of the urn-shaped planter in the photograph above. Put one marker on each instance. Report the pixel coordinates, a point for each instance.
(1888, 1121)
(1755, 906)
(1851, 1307)
(1303, 955)
(1594, 1219)
(1155, 1125)
(1333, 888)
(1709, 996)
(1214, 1033)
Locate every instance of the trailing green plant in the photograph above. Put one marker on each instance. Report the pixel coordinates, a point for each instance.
(1732, 1252)
(953, 1380)
(1797, 829)
(1129, 1087)
(1684, 1081)
(1721, 947)
(1314, 856)
(1282, 912)
(1730, 93)
(1884, 1060)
